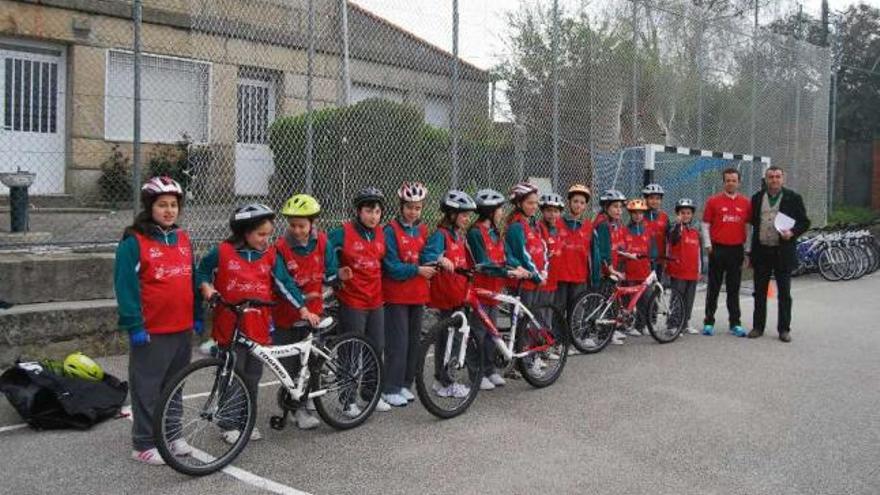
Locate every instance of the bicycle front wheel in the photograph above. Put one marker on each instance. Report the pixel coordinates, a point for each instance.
(445, 384)
(204, 418)
(351, 380)
(547, 337)
(665, 315)
(587, 335)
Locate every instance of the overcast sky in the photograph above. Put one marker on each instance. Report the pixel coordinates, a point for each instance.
(482, 22)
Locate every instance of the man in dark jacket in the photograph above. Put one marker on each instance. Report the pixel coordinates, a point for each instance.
(773, 251)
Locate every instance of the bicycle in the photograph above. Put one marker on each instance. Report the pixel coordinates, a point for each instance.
(344, 379)
(596, 316)
(450, 367)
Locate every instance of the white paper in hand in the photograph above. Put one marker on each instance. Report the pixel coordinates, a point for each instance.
(783, 222)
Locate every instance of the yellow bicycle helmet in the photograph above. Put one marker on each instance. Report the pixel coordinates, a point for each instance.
(78, 365)
(301, 205)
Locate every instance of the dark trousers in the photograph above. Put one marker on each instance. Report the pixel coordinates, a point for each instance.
(251, 370)
(369, 323)
(487, 345)
(150, 367)
(287, 336)
(688, 291)
(767, 262)
(725, 265)
(566, 293)
(403, 328)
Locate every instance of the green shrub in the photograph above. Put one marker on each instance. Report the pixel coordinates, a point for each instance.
(114, 183)
(852, 214)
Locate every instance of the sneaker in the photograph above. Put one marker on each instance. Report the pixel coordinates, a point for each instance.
(407, 394)
(691, 330)
(310, 405)
(538, 365)
(395, 400)
(709, 330)
(455, 390)
(634, 332)
(739, 331)
(382, 406)
(486, 384)
(460, 391)
(149, 456)
(305, 420)
(208, 347)
(231, 436)
(588, 342)
(180, 448)
(497, 380)
(618, 338)
(572, 351)
(352, 411)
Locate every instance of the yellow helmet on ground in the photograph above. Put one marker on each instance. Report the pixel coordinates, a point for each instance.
(301, 205)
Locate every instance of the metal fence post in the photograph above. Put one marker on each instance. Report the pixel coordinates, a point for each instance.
(754, 102)
(635, 73)
(555, 54)
(310, 132)
(346, 70)
(137, 14)
(455, 95)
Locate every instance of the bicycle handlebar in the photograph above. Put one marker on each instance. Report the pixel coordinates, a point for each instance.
(241, 305)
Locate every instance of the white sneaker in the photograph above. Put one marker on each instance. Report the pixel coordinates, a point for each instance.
(231, 436)
(497, 380)
(407, 394)
(310, 405)
(573, 351)
(618, 338)
(180, 448)
(352, 411)
(149, 456)
(692, 331)
(382, 406)
(633, 332)
(589, 343)
(396, 400)
(456, 390)
(486, 384)
(208, 347)
(538, 365)
(305, 420)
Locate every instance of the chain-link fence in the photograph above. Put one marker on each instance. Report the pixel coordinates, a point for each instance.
(259, 99)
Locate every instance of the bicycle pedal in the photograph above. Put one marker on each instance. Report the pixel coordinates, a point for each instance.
(278, 422)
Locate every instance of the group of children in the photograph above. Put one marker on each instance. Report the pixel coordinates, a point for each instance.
(384, 275)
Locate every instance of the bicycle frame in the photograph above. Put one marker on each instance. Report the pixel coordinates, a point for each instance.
(635, 293)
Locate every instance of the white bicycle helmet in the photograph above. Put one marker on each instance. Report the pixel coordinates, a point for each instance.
(489, 198)
(685, 203)
(160, 185)
(551, 199)
(250, 213)
(521, 190)
(457, 201)
(652, 189)
(611, 195)
(412, 192)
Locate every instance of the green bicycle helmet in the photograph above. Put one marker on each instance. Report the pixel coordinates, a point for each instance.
(78, 365)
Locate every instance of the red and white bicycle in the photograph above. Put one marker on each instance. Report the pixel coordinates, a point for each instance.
(450, 365)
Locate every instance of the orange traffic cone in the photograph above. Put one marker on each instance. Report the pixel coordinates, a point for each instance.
(771, 290)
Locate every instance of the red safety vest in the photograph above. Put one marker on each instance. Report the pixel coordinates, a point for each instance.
(238, 279)
(574, 259)
(495, 253)
(535, 247)
(685, 254)
(637, 270)
(554, 250)
(448, 289)
(658, 228)
(414, 290)
(166, 284)
(364, 290)
(308, 273)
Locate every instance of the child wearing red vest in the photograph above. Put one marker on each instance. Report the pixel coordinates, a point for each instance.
(158, 306)
(446, 247)
(685, 253)
(639, 251)
(575, 235)
(247, 266)
(405, 291)
(524, 243)
(302, 248)
(657, 221)
(354, 266)
(486, 249)
(608, 238)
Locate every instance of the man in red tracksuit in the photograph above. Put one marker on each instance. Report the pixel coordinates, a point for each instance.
(685, 257)
(725, 221)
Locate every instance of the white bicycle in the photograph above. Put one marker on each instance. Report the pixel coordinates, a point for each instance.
(209, 399)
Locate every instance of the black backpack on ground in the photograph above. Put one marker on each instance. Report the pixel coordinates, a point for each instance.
(49, 401)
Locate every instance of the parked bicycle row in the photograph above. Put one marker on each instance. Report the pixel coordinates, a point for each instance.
(839, 252)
